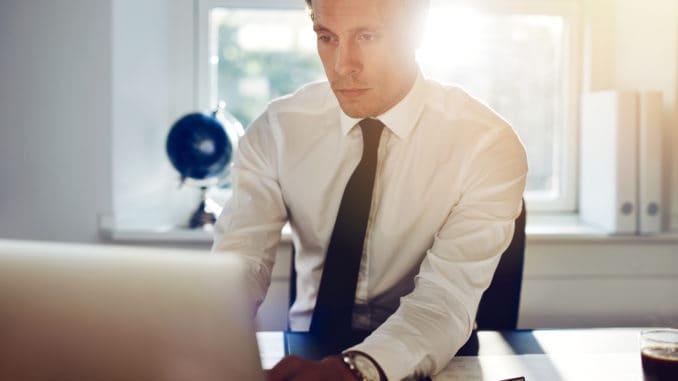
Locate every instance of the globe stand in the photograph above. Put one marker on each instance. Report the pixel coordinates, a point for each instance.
(203, 217)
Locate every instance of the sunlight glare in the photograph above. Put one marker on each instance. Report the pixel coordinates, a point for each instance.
(306, 39)
(258, 37)
(452, 33)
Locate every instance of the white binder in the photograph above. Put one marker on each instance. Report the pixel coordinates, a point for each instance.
(608, 161)
(650, 135)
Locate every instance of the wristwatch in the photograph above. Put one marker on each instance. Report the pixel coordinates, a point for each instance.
(363, 367)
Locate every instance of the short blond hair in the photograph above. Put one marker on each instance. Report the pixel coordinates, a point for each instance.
(308, 2)
(422, 3)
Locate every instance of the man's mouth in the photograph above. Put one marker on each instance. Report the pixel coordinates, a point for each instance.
(352, 92)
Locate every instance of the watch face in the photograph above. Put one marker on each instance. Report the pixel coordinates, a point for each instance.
(366, 367)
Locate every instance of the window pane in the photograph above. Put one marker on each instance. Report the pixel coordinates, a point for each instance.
(513, 63)
(259, 55)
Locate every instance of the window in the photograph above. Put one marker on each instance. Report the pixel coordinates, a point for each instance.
(518, 56)
(255, 51)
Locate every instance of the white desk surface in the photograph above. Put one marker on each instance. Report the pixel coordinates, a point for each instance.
(567, 354)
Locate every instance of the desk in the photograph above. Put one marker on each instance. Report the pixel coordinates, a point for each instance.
(551, 355)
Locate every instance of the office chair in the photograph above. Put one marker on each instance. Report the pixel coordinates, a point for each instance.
(498, 308)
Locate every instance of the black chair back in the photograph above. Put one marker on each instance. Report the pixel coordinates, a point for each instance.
(498, 308)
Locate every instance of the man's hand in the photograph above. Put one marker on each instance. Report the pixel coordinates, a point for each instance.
(297, 369)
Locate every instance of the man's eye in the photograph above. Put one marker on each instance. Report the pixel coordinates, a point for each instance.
(367, 36)
(324, 38)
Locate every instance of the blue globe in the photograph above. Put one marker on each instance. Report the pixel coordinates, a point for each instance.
(199, 147)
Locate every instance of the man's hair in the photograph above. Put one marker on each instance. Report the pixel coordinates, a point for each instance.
(421, 8)
(308, 3)
(424, 3)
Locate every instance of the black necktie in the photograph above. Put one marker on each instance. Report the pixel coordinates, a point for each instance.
(334, 305)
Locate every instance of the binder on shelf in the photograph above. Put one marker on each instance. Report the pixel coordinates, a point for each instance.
(650, 133)
(608, 161)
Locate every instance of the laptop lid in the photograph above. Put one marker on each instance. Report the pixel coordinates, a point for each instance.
(86, 312)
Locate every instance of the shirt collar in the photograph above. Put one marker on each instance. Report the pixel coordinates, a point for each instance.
(402, 117)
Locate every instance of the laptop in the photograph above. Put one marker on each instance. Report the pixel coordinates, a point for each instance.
(87, 312)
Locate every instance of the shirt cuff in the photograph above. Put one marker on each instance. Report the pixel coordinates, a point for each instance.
(391, 355)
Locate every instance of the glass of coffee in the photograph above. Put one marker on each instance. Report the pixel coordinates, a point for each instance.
(659, 354)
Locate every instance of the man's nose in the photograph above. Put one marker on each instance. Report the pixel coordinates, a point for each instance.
(348, 59)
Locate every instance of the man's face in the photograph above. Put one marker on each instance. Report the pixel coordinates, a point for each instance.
(367, 51)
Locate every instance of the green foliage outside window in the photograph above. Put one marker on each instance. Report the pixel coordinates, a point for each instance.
(282, 71)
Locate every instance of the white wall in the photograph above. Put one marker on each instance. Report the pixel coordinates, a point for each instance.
(153, 57)
(88, 91)
(55, 118)
(598, 283)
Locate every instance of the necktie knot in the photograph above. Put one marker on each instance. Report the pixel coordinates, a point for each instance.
(371, 129)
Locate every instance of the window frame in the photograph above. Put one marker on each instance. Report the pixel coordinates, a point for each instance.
(567, 168)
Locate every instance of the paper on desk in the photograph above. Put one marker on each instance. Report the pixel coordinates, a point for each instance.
(563, 367)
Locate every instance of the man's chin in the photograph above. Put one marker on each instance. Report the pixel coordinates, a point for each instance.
(356, 115)
(354, 111)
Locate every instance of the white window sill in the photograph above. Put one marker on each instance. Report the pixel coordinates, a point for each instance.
(568, 227)
(540, 229)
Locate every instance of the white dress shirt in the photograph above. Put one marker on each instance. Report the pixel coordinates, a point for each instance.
(449, 181)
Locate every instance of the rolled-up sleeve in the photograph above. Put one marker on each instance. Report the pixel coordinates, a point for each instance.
(436, 318)
(251, 221)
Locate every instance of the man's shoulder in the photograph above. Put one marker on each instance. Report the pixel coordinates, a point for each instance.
(296, 113)
(455, 104)
(313, 97)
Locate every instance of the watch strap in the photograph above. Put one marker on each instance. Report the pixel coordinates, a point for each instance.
(348, 358)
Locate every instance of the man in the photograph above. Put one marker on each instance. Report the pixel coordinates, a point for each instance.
(443, 191)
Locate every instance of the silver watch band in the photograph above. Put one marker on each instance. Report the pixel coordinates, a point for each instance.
(362, 366)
